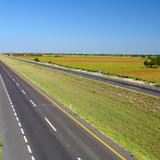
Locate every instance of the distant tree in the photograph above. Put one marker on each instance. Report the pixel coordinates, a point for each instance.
(157, 60)
(36, 59)
(149, 62)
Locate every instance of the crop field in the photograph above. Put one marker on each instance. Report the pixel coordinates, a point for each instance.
(129, 118)
(116, 65)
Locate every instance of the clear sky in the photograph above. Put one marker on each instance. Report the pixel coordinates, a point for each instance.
(80, 26)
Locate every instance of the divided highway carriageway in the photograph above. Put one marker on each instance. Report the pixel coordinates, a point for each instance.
(39, 129)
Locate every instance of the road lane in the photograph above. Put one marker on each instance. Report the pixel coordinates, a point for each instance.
(70, 141)
(14, 146)
(43, 143)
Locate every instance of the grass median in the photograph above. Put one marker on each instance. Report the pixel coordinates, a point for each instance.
(129, 118)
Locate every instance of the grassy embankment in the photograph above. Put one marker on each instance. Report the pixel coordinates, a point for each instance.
(129, 118)
(117, 65)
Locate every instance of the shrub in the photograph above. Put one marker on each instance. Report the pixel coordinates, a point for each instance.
(149, 63)
(152, 61)
(36, 59)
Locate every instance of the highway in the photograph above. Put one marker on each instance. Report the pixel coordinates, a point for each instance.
(35, 128)
(116, 82)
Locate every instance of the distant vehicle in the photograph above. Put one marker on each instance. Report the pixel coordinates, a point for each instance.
(99, 72)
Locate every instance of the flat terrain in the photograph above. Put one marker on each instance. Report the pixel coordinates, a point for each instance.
(129, 118)
(116, 65)
(43, 131)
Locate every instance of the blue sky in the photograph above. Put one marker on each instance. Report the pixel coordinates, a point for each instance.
(80, 26)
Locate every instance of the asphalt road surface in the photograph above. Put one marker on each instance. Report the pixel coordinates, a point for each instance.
(129, 85)
(35, 129)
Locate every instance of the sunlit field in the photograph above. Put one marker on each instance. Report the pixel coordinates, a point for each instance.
(126, 66)
(130, 118)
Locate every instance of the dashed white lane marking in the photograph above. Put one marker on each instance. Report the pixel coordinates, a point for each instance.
(17, 84)
(17, 119)
(29, 149)
(23, 91)
(50, 124)
(14, 110)
(78, 158)
(25, 139)
(12, 106)
(22, 130)
(19, 124)
(33, 158)
(13, 79)
(32, 103)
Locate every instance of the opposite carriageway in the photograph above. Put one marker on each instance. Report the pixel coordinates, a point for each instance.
(116, 82)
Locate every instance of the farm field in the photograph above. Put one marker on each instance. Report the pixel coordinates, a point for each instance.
(129, 118)
(117, 65)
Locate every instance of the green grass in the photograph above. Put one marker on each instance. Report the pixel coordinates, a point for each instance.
(129, 118)
(116, 65)
(1, 145)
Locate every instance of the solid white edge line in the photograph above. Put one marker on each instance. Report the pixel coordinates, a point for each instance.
(29, 149)
(32, 103)
(50, 124)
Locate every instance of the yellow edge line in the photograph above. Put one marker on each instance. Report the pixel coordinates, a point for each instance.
(75, 120)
